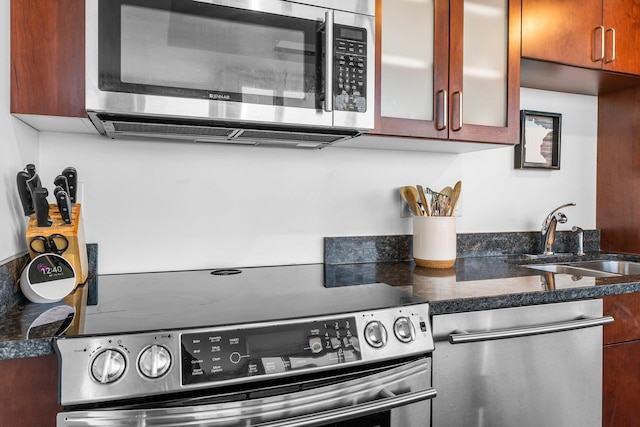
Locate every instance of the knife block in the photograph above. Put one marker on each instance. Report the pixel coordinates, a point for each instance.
(76, 252)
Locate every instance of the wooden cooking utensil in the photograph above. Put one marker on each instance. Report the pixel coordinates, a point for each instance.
(455, 196)
(410, 195)
(423, 199)
(447, 191)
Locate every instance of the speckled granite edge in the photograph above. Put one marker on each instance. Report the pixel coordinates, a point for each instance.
(529, 298)
(364, 249)
(19, 349)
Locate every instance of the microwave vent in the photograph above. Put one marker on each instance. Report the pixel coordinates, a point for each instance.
(227, 133)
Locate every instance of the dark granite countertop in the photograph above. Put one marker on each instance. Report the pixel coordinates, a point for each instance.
(492, 280)
(487, 282)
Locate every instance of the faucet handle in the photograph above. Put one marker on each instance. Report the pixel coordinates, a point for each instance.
(580, 233)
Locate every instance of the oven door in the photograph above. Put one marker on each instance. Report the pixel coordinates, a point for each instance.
(383, 396)
(238, 60)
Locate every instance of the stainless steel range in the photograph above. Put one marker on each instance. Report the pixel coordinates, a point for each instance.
(269, 346)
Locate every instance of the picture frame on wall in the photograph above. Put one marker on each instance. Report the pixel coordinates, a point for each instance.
(539, 146)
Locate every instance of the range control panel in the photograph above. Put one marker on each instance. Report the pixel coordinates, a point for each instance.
(212, 356)
(102, 368)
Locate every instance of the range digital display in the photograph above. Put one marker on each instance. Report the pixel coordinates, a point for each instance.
(215, 355)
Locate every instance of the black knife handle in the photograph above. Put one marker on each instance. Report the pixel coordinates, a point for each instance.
(72, 181)
(25, 193)
(33, 183)
(64, 204)
(42, 206)
(31, 169)
(61, 181)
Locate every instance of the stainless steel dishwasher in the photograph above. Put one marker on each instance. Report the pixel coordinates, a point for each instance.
(526, 366)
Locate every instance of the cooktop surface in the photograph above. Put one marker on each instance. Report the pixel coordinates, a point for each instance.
(202, 298)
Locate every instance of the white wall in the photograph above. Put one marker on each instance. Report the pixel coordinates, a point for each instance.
(18, 146)
(169, 206)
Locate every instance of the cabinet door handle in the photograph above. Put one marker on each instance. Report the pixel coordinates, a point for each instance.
(613, 45)
(599, 29)
(442, 110)
(460, 337)
(458, 125)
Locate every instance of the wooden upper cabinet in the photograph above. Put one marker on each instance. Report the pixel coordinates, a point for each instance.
(563, 31)
(622, 36)
(448, 69)
(47, 57)
(599, 34)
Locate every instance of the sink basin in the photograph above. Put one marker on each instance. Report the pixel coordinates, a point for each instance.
(624, 268)
(568, 269)
(597, 268)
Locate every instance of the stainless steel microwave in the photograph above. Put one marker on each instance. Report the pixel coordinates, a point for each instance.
(274, 72)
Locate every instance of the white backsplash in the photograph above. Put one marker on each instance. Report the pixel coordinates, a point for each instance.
(167, 206)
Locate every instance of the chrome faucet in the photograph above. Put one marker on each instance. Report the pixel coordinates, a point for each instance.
(549, 227)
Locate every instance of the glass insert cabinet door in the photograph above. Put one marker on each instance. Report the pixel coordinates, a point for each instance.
(447, 69)
(407, 59)
(484, 70)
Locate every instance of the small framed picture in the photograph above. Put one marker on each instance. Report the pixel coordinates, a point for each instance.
(539, 146)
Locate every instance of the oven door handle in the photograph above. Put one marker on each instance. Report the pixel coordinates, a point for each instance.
(388, 402)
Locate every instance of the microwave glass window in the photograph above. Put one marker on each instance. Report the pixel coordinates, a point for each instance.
(258, 58)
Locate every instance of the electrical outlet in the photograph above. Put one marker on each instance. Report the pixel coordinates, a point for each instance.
(405, 212)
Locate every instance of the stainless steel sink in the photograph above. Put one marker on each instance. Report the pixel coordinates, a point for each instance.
(597, 268)
(624, 268)
(567, 269)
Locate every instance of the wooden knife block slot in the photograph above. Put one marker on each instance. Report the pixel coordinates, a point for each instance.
(76, 252)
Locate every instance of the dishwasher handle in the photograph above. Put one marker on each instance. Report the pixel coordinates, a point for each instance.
(461, 337)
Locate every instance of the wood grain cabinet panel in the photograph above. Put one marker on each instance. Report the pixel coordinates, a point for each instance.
(621, 385)
(454, 84)
(600, 34)
(561, 31)
(29, 392)
(622, 38)
(618, 180)
(621, 361)
(47, 57)
(625, 309)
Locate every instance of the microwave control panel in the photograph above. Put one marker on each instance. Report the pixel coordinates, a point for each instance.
(350, 69)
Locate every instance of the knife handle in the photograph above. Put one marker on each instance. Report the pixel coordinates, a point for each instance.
(25, 193)
(72, 181)
(62, 182)
(34, 182)
(30, 169)
(64, 204)
(41, 206)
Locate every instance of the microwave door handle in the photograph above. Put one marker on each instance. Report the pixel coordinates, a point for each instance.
(328, 61)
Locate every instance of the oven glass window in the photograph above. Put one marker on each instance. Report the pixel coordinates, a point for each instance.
(199, 50)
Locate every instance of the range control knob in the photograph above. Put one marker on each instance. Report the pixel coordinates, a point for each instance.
(404, 330)
(375, 334)
(108, 366)
(154, 361)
